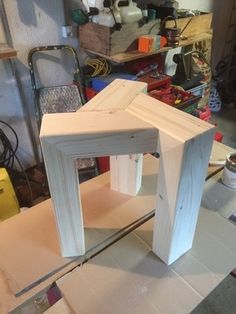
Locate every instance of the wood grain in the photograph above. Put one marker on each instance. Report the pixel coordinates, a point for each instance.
(183, 168)
(36, 247)
(84, 134)
(138, 125)
(117, 96)
(184, 144)
(177, 123)
(126, 173)
(36, 254)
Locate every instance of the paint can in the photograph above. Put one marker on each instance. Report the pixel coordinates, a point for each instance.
(229, 172)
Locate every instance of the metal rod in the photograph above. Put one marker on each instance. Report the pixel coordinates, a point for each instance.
(26, 112)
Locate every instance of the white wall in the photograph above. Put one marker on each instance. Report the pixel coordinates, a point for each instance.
(202, 5)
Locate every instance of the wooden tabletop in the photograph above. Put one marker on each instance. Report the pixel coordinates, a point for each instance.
(40, 218)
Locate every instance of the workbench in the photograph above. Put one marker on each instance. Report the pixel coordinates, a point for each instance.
(120, 273)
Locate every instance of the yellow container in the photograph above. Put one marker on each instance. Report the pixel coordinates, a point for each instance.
(9, 205)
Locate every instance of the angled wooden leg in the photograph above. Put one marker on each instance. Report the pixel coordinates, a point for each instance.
(64, 188)
(126, 173)
(183, 166)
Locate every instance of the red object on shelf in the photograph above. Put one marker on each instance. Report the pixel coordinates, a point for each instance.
(177, 98)
(218, 137)
(204, 113)
(138, 65)
(90, 93)
(163, 81)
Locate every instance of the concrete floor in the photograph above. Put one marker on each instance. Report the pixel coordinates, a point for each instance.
(225, 120)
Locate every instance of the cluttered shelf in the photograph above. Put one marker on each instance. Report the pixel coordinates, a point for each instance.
(134, 55)
(7, 52)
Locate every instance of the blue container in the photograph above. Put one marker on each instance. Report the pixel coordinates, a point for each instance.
(99, 83)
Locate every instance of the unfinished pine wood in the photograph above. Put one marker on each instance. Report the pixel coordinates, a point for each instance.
(84, 134)
(33, 234)
(184, 144)
(136, 128)
(180, 185)
(29, 239)
(126, 173)
(117, 96)
(6, 52)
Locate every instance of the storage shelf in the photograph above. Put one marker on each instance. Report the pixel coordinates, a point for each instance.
(7, 52)
(134, 55)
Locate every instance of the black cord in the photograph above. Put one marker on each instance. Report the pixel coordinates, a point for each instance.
(8, 155)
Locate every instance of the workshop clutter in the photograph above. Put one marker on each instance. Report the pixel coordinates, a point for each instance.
(9, 205)
(177, 98)
(128, 26)
(159, 86)
(110, 41)
(136, 31)
(149, 43)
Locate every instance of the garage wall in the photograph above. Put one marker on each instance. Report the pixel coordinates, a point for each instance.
(32, 23)
(202, 5)
(38, 22)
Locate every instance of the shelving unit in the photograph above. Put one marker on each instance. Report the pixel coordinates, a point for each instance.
(134, 55)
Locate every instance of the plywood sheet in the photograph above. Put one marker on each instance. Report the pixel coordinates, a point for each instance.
(141, 283)
(213, 254)
(59, 307)
(117, 96)
(29, 246)
(120, 282)
(194, 271)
